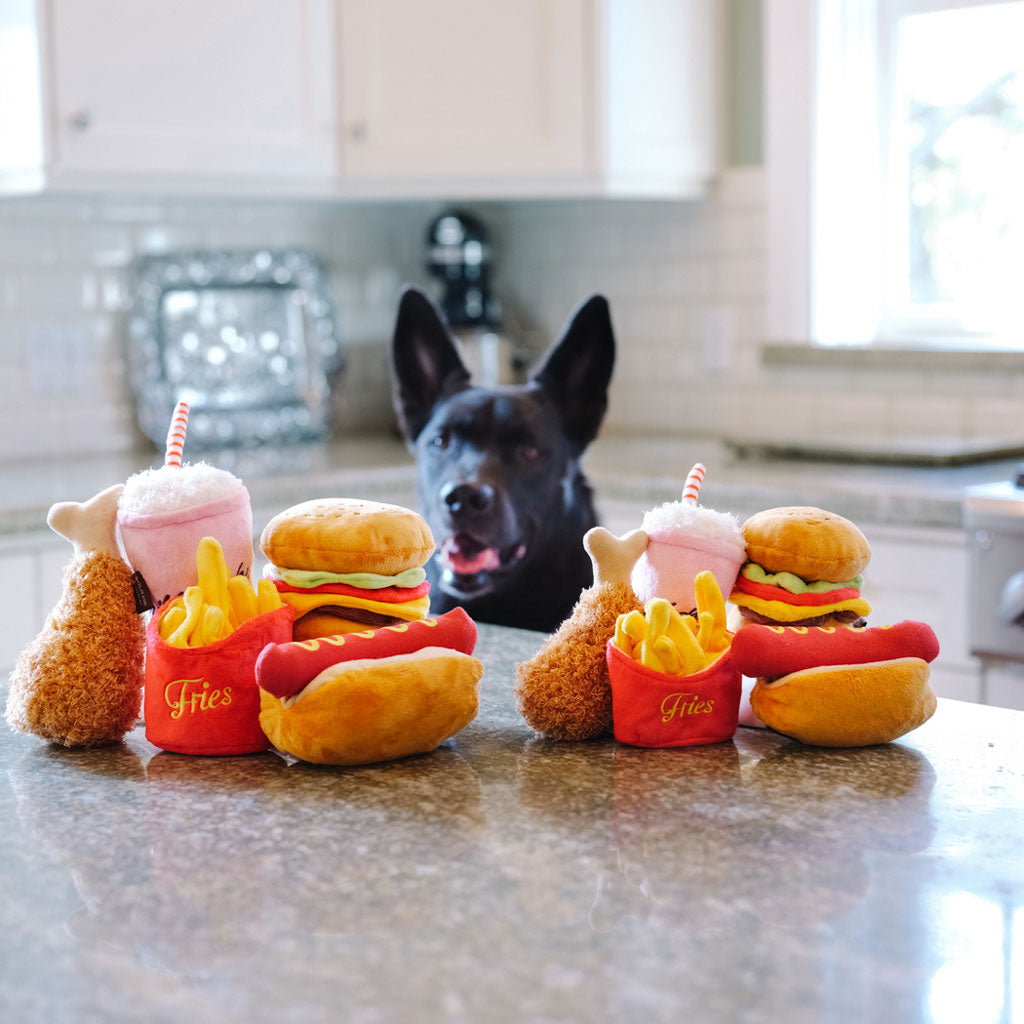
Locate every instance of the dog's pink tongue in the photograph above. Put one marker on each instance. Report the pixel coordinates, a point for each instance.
(454, 559)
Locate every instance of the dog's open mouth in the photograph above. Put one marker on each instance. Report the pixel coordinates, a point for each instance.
(467, 564)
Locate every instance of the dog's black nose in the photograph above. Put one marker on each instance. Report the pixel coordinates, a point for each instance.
(468, 498)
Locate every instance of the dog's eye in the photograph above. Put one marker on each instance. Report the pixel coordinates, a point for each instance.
(441, 439)
(528, 452)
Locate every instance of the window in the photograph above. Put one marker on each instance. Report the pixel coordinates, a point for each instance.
(903, 121)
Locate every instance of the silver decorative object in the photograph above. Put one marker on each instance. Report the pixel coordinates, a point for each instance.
(246, 338)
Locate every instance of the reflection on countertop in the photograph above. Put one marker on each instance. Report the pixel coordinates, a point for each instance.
(506, 877)
(636, 471)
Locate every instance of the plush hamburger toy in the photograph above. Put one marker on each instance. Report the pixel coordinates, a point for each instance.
(839, 686)
(378, 695)
(347, 565)
(803, 568)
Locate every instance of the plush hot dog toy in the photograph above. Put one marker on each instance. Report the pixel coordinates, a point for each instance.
(839, 686)
(378, 695)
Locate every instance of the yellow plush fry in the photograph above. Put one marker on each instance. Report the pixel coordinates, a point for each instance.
(669, 655)
(709, 598)
(649, 658)
(719, 641)
(654, 628)
(243, 598)
(659, 612)
(634, 625)
(267, 597)
(623, 640)
(690, 653)
(193, 598)
(705, 630)
(678, 624)
(213, 626)
(171, 619)
(213, 573)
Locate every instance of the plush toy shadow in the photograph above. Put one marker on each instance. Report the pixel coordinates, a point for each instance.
(79, 683)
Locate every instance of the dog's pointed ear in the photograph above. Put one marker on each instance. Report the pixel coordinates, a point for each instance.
(577, 369)
(425, 362)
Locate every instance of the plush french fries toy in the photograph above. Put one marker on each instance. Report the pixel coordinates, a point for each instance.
(201, 695)
(672, 677)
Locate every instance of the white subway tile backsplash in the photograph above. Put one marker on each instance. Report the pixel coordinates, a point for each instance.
(994, 417)
(685, 282)
(917, 415)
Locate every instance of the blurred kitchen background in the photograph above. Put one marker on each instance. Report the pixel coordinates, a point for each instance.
(662, 152)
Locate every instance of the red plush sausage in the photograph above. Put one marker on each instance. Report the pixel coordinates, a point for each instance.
(284, 669)
(771, 651)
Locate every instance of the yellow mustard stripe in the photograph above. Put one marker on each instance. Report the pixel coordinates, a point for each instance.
(782, 612)
(341, 639)
(303, 603)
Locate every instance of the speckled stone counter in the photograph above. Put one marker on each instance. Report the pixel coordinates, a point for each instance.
(509, 878)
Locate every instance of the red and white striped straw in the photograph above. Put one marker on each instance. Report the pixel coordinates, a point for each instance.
(692, 486)
(176, 435)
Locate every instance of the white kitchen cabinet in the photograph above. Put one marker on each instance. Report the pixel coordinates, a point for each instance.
(18, 605)
(168, 95)
(921, 574)
(458, 88)
(502, 99)
(529, 97)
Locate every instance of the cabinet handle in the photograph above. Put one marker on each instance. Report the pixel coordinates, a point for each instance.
(80, 120)
(357, 130)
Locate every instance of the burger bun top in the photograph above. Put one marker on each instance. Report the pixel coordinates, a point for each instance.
(345, 535)
(809, 542)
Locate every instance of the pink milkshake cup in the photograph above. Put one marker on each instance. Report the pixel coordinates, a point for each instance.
(164, 513)
(686, 539)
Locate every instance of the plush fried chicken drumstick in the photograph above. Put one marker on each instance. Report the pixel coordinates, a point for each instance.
(563, 691)
(79, 683)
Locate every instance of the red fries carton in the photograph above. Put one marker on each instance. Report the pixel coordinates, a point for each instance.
(204, 700)
(655, 709)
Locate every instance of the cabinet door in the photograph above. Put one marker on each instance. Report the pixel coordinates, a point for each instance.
(460, 88)
(922, 574)
(192, 87)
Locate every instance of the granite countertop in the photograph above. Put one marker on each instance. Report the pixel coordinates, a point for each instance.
(506, 877)
(628, 472)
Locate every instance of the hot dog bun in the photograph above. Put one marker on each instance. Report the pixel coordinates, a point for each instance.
(847, 705)
(376, 709)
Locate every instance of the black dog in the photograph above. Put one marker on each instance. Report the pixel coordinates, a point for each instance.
(500, 479)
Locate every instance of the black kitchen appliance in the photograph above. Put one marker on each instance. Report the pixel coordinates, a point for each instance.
(459, 256)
